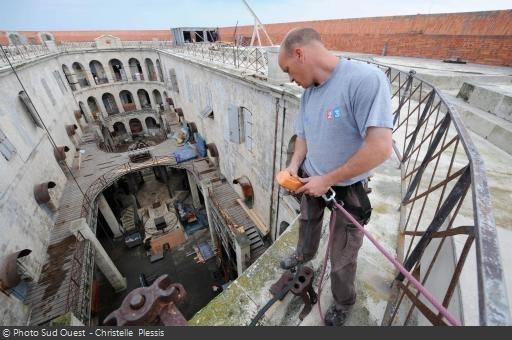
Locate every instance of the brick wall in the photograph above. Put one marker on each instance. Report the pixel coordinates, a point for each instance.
(479, 37)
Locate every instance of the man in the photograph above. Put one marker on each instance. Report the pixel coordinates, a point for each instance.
(344, 130)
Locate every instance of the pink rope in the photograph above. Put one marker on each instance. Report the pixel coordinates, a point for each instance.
(442, 310)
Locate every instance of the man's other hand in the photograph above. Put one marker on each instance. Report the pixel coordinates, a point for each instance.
(314, 186)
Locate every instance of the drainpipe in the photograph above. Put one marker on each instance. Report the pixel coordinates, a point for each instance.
(280, 162)
(278, 100)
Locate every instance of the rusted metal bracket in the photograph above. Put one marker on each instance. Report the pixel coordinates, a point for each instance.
(300, 284)
(154, 305)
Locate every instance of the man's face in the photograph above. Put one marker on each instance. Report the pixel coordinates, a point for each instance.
(296, 67)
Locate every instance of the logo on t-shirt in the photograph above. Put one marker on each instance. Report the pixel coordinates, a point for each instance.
(334, 113)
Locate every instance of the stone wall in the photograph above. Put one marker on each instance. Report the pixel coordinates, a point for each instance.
(201, 85)
(24, 222)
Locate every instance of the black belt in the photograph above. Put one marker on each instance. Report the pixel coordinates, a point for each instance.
(365, 210)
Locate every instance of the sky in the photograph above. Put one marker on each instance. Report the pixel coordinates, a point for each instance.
(53, 15)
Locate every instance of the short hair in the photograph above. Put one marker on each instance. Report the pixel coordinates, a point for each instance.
(300, 36)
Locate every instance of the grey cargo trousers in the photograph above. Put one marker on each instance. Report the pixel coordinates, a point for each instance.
(347, 240)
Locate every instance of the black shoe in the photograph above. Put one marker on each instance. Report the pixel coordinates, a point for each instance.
(335, 317)
(290, 262)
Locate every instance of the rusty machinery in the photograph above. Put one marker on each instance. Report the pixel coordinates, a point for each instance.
(153, 305)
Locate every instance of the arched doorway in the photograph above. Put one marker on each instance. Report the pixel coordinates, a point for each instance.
(135, 69)
(159, 69)
(144, 100)
(158, 99)
(135, 126)
(118, 71)
(93, 107)
(83, 110)
(151, 70)
(80, 74)
(69, 77)
(120, 129)
(168, 100)
(110, 103)
(151, 123)
(98, 72)
(127, 101)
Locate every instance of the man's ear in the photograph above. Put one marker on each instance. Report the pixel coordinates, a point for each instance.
(299, 54)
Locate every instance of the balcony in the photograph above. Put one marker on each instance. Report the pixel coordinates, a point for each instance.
(129, 107)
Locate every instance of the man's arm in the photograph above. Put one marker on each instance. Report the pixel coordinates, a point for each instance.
(299, 154)
(376, 150)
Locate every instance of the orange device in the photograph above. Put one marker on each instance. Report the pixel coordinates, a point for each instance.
(287, 181)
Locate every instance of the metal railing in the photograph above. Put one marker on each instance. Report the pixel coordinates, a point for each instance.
(239, 57)
(78, 299)
(236, 56)
(445, 210)
(19, 53)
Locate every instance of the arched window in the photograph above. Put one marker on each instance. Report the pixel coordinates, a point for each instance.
(151, 70)
(151, 123)
(135, 69)
(135, 126)
(117, 70)
(127, 101)
(158, 99)
(120, 129)
(144, 100)
(159, 69)
(80, 74)
(93, 107)
(98, 72)
(110, 103)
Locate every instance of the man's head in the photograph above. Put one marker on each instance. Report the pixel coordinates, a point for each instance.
(298, 55)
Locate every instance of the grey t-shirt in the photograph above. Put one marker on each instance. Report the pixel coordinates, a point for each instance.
(334, 116)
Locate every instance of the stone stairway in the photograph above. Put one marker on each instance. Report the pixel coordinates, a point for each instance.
(128, 220)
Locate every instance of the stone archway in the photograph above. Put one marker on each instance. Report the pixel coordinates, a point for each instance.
(135, 126)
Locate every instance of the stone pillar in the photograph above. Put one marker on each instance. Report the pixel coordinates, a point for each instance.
(243, 253)
(204, 187)
(193, 190)
(275, 74)
(109, 216)
(105, 264)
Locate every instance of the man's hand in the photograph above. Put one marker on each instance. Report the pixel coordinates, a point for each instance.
(292, 170)
(314, 186)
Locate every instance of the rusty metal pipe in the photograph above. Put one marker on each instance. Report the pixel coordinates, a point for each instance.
(60, 152)
(71, 129)
(42, 193)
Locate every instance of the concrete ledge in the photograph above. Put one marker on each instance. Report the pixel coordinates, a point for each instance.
(492, 98)
(496, 130)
